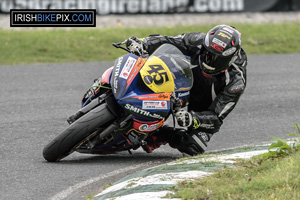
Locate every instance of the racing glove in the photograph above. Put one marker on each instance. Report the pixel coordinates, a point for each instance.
(206, 121)
(184, 118)
(135, 45)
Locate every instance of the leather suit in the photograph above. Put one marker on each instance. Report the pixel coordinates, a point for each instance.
(211, 99)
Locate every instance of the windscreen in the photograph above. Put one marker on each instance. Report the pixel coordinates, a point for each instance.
(178, 63)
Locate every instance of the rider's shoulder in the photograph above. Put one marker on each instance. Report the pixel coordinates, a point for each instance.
(242, 58)
(243, 53)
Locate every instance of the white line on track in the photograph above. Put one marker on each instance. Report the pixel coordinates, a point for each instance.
(67, 192)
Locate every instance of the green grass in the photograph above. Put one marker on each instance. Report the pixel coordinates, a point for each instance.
(273, 175)
(85, 45)
(277, 178)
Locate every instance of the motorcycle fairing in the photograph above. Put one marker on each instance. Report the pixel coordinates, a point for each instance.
(125, 70)
(106, 76)
(129, 90)
(139, 64)
(133, 94)
(157, 75)
(122, 143)
(146, 126)
(149, 102)
(144, 114)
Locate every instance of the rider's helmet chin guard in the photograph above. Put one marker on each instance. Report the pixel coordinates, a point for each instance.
(220, 48)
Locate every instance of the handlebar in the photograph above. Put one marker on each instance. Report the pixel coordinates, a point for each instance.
(118, 45)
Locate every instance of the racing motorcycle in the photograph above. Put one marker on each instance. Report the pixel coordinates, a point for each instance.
(127, 104)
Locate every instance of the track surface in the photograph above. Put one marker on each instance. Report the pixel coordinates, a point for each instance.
(36, 100)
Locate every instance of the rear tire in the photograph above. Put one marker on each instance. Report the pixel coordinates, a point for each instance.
(65, 142)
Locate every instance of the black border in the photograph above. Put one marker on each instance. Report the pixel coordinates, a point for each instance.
(53, 11)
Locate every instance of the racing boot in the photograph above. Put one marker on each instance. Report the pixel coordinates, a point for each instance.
(191, 143)
(194, 143)
(171, 135)
(162, 136)
(153, 142)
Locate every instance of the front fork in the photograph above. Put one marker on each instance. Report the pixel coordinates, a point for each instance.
(93, 104)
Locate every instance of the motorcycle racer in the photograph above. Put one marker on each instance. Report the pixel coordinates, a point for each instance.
(219, 81)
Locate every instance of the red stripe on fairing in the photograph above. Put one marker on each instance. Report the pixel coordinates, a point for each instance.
(106, 75)
(138, 65)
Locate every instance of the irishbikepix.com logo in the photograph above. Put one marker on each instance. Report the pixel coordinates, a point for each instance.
(53, 18)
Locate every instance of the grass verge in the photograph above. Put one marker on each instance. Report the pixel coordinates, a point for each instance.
(268, 176)
(85, 45)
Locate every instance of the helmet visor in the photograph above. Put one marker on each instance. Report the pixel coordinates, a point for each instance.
(212, 63)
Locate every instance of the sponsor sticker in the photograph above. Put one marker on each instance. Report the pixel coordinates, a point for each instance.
(161, 96)
(229, 51)
(142, 112)
(228, 29)
(143, 127)
(238, 87)
(140, 62)
(183, 94)
(196, 124)
(155, 105)
(116, 75)
(224, 35)
(219, 42)
(227, 33)
(217, 47)
(147, 97)
(147, 126)
(127, 68)
(164, 96)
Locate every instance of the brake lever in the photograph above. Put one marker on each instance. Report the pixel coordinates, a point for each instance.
(118, 46)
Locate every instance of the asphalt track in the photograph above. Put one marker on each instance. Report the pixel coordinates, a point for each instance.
(37, 99)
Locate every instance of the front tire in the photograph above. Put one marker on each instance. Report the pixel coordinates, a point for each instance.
(65, 142)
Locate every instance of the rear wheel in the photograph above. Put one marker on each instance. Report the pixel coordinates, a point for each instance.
(65, 143)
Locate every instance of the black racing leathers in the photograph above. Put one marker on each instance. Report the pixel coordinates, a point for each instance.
(211, 99)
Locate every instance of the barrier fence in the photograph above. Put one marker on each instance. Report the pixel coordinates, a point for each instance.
(106, 7)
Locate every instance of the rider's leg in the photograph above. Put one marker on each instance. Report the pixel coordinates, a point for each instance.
(191, 143)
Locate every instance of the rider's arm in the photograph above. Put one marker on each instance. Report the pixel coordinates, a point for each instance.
(211, 120)
(225, 102)
(187, 42)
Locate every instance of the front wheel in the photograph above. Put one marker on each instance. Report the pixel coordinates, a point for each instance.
(65, 143)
